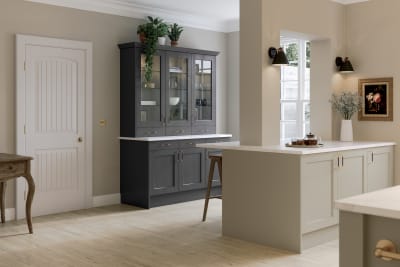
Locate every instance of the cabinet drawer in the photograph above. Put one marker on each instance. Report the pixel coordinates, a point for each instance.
(189, 143)
(178, 131)
(203, 130)
(12, 169)
(163, 145)
(145, 132)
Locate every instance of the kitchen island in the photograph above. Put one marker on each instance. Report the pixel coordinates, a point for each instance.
(284, 197)
(369, 221)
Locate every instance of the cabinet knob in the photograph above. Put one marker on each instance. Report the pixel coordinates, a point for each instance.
(80, 139)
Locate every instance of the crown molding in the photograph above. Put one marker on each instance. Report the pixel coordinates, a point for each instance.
(132, 10)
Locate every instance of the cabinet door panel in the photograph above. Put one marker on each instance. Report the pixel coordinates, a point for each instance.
(350, 174)
(317, 193)
(192, 169)
(378, 170)
(164, 171)
(149, 95)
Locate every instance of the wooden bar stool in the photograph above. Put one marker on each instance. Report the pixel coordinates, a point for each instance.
(215, 158)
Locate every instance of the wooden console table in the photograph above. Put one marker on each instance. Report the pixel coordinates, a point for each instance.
(11, 167)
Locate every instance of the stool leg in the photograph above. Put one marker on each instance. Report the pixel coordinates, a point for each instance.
(220, 170)
(3, 186)
(209, 183)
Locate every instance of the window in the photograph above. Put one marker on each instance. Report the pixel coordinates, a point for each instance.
(295, 89)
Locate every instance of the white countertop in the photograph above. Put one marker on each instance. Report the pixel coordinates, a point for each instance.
(171, 138)
(384, 203)
(328, 146)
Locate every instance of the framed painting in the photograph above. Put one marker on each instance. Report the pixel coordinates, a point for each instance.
(377, 97)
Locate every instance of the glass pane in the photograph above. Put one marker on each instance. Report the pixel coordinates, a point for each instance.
(203, 89)
(306, 128)
(306, 115)
(289, 130)
(289, 90)
(292, 53)
(150, 93)
(307, 89)
(178, 88)
(308, 55)
(289, 111)
(289, 73)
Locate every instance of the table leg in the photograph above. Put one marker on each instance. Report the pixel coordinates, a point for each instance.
(31, 192)
(3, 186)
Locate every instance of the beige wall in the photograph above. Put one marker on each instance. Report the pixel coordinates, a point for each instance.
(232, 93)
(372, 45)
(261, 24)
(105, 31)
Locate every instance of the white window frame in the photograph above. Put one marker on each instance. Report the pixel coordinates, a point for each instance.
(300, 101)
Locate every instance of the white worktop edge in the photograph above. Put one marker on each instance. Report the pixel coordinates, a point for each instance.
(178, 137)
(329, 146)
(384, 203)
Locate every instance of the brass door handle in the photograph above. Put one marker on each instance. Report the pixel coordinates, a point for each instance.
(80, 139)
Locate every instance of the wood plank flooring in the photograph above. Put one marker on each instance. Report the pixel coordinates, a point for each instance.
(123, 235)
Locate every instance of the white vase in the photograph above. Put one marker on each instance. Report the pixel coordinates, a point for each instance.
(346, 131)
(161, 40)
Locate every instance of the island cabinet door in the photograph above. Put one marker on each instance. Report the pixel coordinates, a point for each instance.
(379, 168)
(164, 166)
(350, 173)
(318, 187)
(192, 165)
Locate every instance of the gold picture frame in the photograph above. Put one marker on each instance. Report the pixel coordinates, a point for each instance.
(377, 99)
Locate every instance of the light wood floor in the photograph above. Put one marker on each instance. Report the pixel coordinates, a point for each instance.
(127, 236)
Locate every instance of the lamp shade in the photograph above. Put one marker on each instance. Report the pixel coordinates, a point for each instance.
(278, 56)
(344, 65)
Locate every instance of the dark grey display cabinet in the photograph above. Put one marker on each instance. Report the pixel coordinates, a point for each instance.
(161, 123)
(180, 99)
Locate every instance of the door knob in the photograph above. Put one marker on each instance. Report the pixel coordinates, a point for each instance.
(80, 139)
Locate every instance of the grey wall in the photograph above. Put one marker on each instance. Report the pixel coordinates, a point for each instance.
(105, 31)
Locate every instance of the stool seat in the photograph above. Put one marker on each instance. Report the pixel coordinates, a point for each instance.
(215, 158)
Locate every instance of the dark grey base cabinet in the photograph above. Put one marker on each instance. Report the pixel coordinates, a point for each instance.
(164, 172)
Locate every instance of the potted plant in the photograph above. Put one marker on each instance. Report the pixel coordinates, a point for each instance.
(346, 104)
(162, 31)
(174, 33)
(150, 47)
(141, 32)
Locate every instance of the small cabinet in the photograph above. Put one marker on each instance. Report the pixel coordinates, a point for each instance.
(164, 171)
(179, 100)
(155, 173)
(379, 168)
(350, 173)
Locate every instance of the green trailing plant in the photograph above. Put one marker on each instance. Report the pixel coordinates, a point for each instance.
(150, 45)
(346, 103)
(174, 32)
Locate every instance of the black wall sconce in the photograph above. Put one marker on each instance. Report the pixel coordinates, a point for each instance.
(278, 56)
(344, 66)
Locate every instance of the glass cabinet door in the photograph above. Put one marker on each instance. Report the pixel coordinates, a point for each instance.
(178, 96)
(203, 89)
(150, 98)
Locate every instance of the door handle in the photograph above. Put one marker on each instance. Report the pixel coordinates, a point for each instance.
(80, 139)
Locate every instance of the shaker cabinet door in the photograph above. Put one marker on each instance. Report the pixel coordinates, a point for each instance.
(379, 169)
(164, 172)
(192, 169)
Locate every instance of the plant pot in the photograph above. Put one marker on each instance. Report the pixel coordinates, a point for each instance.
(346, 131)
(174, 43)
(142, 37)
(149, 85)
(161, 40)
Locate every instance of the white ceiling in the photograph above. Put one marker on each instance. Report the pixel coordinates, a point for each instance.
(216, 15)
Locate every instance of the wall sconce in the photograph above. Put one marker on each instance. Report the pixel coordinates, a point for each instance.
(344, 66)
(278, 56)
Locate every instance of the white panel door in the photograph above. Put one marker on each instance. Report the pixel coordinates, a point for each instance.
(55, 135)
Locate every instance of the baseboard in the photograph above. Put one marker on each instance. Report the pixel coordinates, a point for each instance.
(10, 214)
(105, 200)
